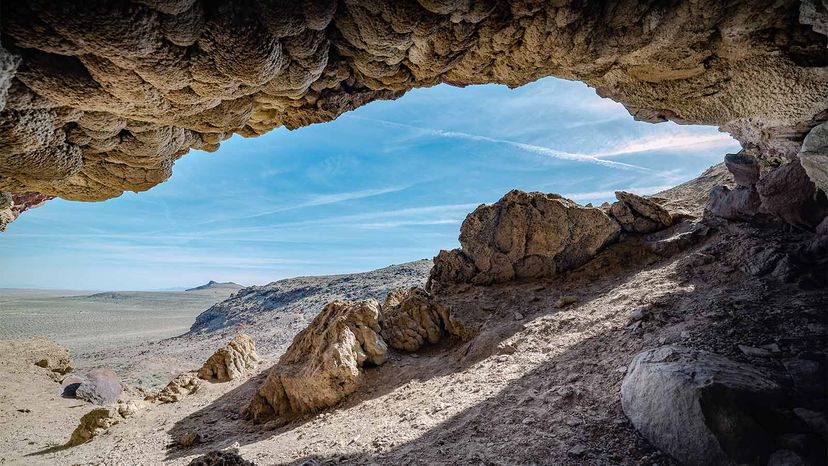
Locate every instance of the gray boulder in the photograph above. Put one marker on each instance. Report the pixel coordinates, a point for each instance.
(101, 387)
(699, 407)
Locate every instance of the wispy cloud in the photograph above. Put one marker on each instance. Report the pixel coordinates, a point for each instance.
(672, 142)
(540, 150)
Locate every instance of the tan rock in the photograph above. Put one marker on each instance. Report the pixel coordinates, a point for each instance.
(230, 362)
(93, 424)
(639, 214)
(413, 318)
(324, 363)
(179, 387)
(524, 235)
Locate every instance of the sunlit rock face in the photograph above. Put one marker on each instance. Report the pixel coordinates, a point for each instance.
(99, 98)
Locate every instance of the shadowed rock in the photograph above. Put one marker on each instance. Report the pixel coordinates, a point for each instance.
(789, 194)
(413, 318)
(637, 214)
(743, 167)
(230, 362)
(524, 235)
(699, 407)
(324, 362)
(101, 386)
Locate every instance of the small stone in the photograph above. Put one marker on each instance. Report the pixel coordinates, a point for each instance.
(751, 351)
(564, 301)
(189, 438)
(518, 316)
(637, 314)
(44, 363)
(577, 451)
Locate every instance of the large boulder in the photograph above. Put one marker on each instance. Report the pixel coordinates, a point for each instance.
(524, 235)
(699, 407)
(744, 168)
(412, 318)
(324, 363)
(230, 362)
(100, 386)
(791, 195)
(741, 203)
(814, 156)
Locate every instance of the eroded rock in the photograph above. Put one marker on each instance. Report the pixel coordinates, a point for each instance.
(230, 362)
(639, 214)
(743, 167)
(524, 235)
(98, 97)
(221, 458)
(741, 203)
(324, 363)
(788, 193)
(814, 155)
(700, 408)
(413, 318)
(179, 387)
(93, 424)
(100, 386)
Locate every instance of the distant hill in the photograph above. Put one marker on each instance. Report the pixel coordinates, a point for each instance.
(272, 314)
(214, 285)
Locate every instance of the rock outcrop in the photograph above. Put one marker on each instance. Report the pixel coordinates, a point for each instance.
(637, 214)
(412, 318)
(99, 98)
(230, 362)
(788, 193)
(221, 458)
(524, 235)
(699, 407)
(814, 156)
(100, 386)
(324, 362)
(58, 363)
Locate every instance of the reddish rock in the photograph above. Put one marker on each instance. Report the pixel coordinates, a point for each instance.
(101, 387)
(743, 167)
(789, 194)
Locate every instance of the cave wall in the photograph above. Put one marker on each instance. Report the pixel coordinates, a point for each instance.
(101, 97)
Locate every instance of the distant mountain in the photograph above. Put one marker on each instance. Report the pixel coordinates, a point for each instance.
(214, 285)
(272, 314)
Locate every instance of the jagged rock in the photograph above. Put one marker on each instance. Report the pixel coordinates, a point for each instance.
(59, 362)
(324, 362)
(789, 194)
(700, 407)
(221, 458)
(413, 318)
(741, 203)
(189, 438)
(677, 238)
(103, 97)
(524, 235)
(743, 167)
(638, 214)
(230, 362)
(93, 424)
(814, 156)
(100, 386)
(179, 387)
(130, 408)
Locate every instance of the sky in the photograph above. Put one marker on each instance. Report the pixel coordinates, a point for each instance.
(384, 184)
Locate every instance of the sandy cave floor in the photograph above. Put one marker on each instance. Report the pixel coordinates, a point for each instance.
(538, 385)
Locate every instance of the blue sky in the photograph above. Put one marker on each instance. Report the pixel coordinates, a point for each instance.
(387, 183)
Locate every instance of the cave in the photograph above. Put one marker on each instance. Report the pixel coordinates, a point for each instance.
(103, 97)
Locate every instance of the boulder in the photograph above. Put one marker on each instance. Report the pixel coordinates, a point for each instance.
(524, 235)
(101, 386)
(69, 386)
(179, 387)
(230, 362)
(638, 214)
(324, 363)
(93, 424)
(743, 167)
(413, 318)
(741, 203)
(699, 407)
(814, 156)
(789, 194)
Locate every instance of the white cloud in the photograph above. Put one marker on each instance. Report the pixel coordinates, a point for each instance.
(642, 191)
(682, 141)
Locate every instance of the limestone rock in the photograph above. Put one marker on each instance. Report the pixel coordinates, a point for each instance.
(700, 407)
(741, 203)
(230, 362)
(789, 194)
(59, 365)
(814, 156)
(413, 318)
(324, 363)
(189, 438)
(638, 214)
(99, 98)
(179, 387)
(93, 424)
(743, 167)
(100, 386)
(524, 235)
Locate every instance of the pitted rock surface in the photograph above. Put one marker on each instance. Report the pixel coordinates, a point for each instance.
(413, 318)
(230, 362)
(524, 235)
(98, 98)
(179, 387)
(324, 362)
(639, 214)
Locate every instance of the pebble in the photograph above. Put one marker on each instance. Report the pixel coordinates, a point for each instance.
(757, 352)
(577, 451)
(518, 316)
